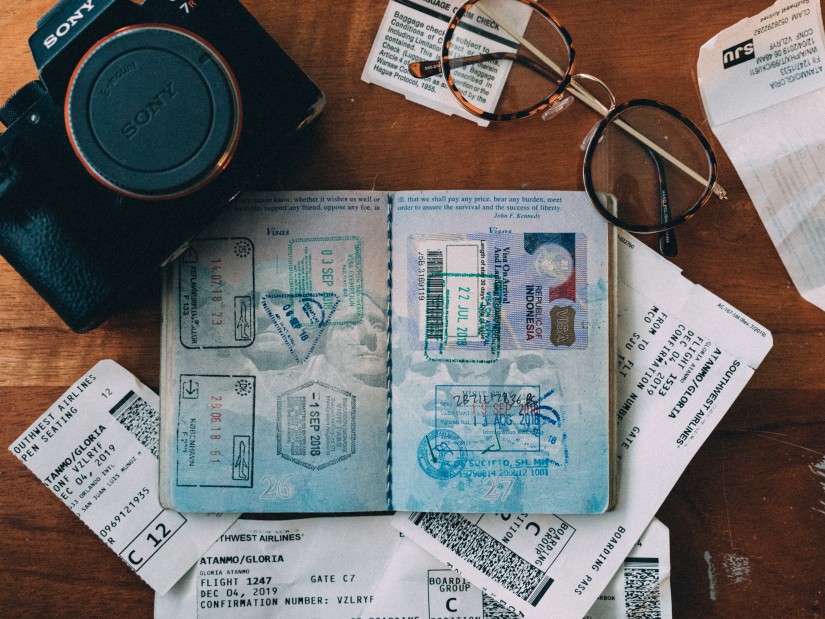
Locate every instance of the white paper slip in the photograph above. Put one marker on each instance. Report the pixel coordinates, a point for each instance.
(763, 85)
(762, 61)
(360, 566)
(301, 569)
(683, 357)
(641, 587)
(413, 30)
(96, 449)
(416, 584)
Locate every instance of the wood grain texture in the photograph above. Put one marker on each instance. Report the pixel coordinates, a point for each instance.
(747, 519)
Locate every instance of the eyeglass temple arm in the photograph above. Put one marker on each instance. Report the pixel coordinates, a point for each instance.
(585, 97)
(667, 238)
(429, 68)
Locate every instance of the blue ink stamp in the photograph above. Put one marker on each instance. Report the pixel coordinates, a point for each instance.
(300, 320)
(442, 454)
(493, 418)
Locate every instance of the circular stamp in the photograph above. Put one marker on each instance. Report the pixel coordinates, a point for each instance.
(442, 454)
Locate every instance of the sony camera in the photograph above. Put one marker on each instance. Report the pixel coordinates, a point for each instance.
(147, 119)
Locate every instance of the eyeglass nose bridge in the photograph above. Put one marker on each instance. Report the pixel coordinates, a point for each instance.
(578, 91)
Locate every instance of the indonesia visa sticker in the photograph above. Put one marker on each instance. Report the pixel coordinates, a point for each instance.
(96, 448)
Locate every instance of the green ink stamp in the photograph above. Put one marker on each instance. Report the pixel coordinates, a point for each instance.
(330, 265)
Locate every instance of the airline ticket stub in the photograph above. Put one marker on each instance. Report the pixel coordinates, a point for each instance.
(416, 584)
(306, 568)
(96, 449)
(320, 567)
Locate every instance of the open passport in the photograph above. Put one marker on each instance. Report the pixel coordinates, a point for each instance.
(442, 351)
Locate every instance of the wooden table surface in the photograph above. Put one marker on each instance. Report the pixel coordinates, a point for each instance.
(747, 519)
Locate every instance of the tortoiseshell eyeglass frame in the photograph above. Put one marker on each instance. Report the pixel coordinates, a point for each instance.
(424, 69)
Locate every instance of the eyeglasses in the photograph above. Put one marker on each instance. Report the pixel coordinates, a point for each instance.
(647, 168)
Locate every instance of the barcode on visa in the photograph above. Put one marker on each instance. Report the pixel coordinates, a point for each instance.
(486, 554)
(435, 294)
(641, 588)
(139, 418)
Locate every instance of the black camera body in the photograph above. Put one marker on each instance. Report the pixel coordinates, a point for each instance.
(145, 122)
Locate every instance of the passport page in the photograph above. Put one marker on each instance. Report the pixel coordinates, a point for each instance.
(501, 340)
(274, 358)
(683, 356)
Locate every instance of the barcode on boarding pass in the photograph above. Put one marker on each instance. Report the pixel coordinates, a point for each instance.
(486, 554)
(641, 588)
(139, 418)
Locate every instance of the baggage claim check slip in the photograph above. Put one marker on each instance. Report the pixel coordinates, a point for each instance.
(684, 355)
(96, 449)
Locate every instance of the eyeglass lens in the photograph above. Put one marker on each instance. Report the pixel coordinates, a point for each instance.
(651, 192)
(491, 70)
(647, 168)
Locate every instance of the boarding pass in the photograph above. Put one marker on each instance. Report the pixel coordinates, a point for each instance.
(360, 566)
(96, 449)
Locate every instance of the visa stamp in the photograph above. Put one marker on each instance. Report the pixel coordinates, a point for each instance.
(332, 265)
(216, 284)
(493, 418)
(442, 454)
(488, 292)
(300, 320)
(215, 431)
(463, 318)
(507, 431)
(316, 425)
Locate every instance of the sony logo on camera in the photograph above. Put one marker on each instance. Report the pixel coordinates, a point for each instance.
(145, 114)
(66, 27)
(739, 53)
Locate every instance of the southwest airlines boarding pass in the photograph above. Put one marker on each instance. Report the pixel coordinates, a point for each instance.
(96, 449)
(318, 567)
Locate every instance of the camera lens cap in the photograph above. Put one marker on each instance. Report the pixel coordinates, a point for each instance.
(153, 112)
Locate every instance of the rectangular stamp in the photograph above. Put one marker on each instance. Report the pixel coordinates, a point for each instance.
(216, 431)
(330, 265)
(463, 320)
(216, 288)
(496, 418)
(532, 288)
